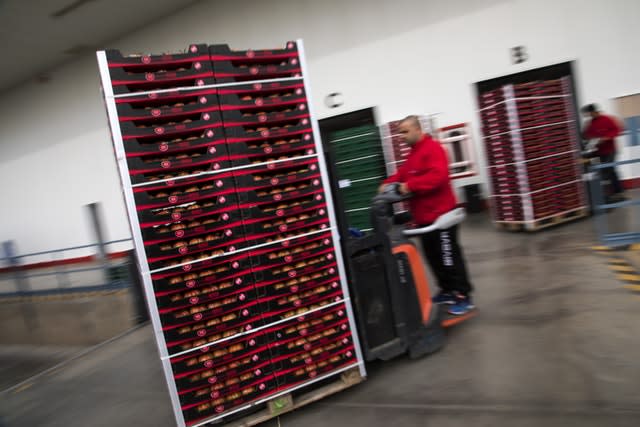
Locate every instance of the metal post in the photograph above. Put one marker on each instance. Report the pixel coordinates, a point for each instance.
(19, 278)
(22, 282)
(101, 253)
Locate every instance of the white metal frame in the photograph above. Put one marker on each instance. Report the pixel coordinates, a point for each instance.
(123, 168)
(136, 233)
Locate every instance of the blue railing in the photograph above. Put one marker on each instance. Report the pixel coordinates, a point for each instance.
(102, 274)
(602, 208)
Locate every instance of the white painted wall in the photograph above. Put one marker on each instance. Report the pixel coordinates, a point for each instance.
(402, 56)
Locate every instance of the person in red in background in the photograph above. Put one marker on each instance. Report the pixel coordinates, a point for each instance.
(425, 174)
(605, 129)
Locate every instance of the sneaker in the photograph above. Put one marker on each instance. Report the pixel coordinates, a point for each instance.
(444, 298)
(463, 305)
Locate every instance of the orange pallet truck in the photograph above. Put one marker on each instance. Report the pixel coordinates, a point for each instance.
(389, 285)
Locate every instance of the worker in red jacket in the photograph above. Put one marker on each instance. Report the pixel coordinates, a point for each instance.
(605, 129)
(425, 174)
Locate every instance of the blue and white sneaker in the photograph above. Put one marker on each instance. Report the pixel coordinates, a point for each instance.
(446, 298)
(462, 305)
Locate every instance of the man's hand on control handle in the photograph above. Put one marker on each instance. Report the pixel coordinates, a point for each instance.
(403, 188)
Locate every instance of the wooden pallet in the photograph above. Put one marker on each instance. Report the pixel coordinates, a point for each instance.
(289, 402)
(542, 223)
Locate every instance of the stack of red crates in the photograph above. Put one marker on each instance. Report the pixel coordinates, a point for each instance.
(531, 146)
(232, 214)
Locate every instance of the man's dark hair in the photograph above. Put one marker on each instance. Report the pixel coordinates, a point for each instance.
(414, 120)
(590, 108)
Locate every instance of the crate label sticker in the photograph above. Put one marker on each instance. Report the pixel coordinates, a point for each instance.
(202, 333)
(220, 408)
(191, 283)
(344, 327)
(200, 82)
(303, 332)
(208, 364)
(294, 288)
(288, 258)
(206, 116)
(156, 112)
(302, 107)
(259, 101)
(257, 86)
(253, 70)
(158, 130)
(197, 65)
(262, 386)
(149, 77)
(194, 300)
(146, 59)
(186, 267)
(225, 217)
(198, 316)
(164, 146)
(183, 250)
(319, 197)
(209, 133)
(292, 273)
(165, 164)
(344, 183)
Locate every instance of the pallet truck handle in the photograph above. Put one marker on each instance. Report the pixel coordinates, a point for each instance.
(443, 222)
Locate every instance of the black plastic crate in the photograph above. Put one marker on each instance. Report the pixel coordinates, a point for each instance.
(185, 192)
(273, 116)
(166, 127)
(280, 193)
(307, 324)
(296, 99)
(210, 244)
(169, 144)
(150, 111)
(260, 389)
(258, 232)
(186, 296)
(186, 229)
(138, 91)
(201, 157)
(277, 174)
(230, 65)
(227, 384)
(305, 308)
(202, 273)
(247, 317)
(322, 349)
(291, 377)
(207, 309)
(249, 133)
(170, 75)
(293, 252)
(190, 212)
(204, 366)
(194, 52)
(274, 211)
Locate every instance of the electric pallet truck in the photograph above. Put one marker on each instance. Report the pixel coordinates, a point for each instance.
(390, 290)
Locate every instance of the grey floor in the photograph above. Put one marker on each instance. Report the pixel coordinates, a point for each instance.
(555, 343)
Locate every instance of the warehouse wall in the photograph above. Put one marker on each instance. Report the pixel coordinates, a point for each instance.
(403, 56)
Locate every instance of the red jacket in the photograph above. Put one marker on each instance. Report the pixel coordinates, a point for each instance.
(606, 129)
(426, 173)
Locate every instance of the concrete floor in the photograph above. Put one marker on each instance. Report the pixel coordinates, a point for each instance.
(554, 344)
